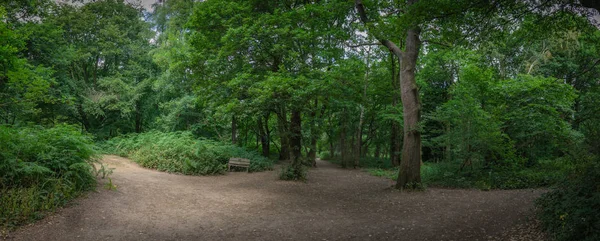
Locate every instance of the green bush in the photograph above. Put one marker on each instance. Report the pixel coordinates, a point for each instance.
(572, 210)
(180, 152)
(293, 172)
(448, 174)
(41, 169)
(367, 162)
(325, 155)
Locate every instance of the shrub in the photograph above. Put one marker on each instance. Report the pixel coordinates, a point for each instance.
(325, 155)
(180, 152)
(293, 172)
(41, 169)
(448, 174)
(572, 210)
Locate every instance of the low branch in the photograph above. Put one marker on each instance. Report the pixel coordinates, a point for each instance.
(588, 69)
(360, 8)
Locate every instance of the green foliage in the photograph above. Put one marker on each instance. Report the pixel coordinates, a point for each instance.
(507, 101)
(325, 155)
(535, 112)
(110, 186)
(570, 211)
(180, 152)
(22, 85)
(41, 169)
(472, 134)
(386, 173)
(449, 175)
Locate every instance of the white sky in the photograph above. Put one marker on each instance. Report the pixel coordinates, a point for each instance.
(147, 4)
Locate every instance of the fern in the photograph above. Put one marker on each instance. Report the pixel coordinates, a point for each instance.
(41, 169)
(180, 152)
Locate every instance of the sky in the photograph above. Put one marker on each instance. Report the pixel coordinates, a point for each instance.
(147, 4)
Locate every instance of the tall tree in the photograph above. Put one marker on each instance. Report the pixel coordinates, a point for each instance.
(410, 165)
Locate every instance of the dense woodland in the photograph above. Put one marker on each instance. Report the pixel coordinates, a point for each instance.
(469, 94)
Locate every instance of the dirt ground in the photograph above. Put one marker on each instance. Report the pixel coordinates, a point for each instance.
(335, 204)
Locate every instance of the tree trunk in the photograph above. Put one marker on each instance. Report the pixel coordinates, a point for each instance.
(331, 147)
(394, 145)
(282, 128)
(233, 130)
(263, 135)
(138, 122)
(377, 150)
(330, 134)
(84, 120)
(395, 129)
(312, 153)
(359, 129)
(138, 117)
(343, 149)
(410, 167)
(296, 136)
(369, 139)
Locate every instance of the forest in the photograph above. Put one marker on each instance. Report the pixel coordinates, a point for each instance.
(426, 96)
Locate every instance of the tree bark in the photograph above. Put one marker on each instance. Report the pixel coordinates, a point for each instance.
(84, 120)
(377, 150)
(330, 135)
(282, 128)
(343, 149)
(410, 166)
(359, 129)
(395, 129)
(296, 136)
(331, 147)
(312, 153)
(264, 135)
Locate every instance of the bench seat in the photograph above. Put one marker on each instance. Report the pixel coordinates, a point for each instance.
(238, 162)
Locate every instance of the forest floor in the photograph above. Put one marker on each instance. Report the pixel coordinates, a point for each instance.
(334, 204)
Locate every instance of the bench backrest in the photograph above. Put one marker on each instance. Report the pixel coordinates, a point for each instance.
(236, 159)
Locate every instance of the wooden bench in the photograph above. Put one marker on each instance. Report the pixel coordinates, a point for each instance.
(238, 162)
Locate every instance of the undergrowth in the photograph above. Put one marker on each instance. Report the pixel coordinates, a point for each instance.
(293, 173)
(450, 175)
(296, 171)
(41, 170)
(180, 152)
(571, 211)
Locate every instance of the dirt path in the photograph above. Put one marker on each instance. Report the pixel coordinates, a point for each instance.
(335, 204)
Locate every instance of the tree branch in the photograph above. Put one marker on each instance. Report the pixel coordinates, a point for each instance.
(362, 44)
(360, 8)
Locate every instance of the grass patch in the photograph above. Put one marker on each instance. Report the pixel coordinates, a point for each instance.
(41, 170)
(180, 152)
